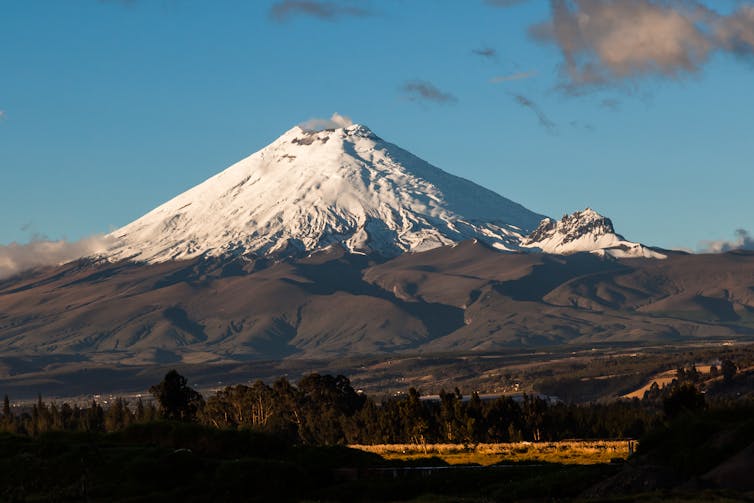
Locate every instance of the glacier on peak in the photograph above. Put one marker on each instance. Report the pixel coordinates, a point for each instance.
(313, 188)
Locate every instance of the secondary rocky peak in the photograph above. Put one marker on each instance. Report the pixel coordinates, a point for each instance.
(584, 231)
(572, 227)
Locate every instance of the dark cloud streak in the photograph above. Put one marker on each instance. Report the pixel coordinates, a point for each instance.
(329, 11)
(125, 3)
(504, 3)
(485, 52)
(544, 121)
(610, 104)
(420, 90)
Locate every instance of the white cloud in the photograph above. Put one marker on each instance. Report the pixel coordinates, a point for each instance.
(334, 122)
(742, 241)
(16, 257)
(608, 42)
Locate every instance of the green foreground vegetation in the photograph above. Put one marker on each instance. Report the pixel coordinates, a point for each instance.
(326, 410)
(287, 442)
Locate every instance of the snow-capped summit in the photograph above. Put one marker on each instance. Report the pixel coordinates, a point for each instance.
(310, 189)
(584, 231)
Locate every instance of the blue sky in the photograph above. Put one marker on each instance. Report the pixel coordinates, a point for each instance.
(110, 108)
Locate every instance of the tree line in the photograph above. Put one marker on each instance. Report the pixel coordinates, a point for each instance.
(326, 410)
(44, 417)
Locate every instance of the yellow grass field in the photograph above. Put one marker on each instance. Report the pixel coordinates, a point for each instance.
(575, 452)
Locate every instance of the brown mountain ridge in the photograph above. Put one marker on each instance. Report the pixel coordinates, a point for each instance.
(462, 298)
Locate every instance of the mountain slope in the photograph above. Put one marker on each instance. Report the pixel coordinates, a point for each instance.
(465, 297)
(311, 189)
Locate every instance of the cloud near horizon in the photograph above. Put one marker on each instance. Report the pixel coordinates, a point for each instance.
(420, 90)
(743, 241)
(617, 42)
(334, 122)
(16, 257)
(326, 10)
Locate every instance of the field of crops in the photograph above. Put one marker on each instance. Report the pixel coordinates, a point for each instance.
(580, 452)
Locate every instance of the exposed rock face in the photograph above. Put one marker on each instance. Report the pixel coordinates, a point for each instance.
(584, 231)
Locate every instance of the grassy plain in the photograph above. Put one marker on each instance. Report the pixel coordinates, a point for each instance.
(576, 452)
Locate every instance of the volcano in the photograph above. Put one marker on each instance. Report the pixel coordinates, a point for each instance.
(311, 189)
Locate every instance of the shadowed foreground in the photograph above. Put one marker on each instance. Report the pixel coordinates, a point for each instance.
(696, 457)
(180, 462)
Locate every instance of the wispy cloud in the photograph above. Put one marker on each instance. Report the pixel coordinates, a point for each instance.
(504, 3)
(2, 114)
(582, 125)
(544, 121)
(617, 42)
(610, 104)
(485, 52)
(420, 90)
(514, 76)
(742, 241)
(15, 257)
(326, 10)
(334, 122)
(127, 3)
